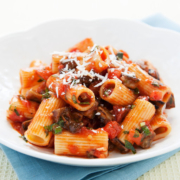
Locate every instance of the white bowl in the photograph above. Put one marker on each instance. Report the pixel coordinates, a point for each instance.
(160, 46)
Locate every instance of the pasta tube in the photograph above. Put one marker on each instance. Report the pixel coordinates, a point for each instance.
(161, 126)
(95, 144)
(142, 111)
(116, 93)
(77, 96)
(148, 85)
(36, 133)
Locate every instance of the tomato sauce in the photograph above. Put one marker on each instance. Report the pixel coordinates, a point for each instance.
(73, 149)
(113, 129)
(116, 73)
(18, 127)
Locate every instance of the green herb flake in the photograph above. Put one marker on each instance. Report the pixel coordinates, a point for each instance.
(90, 128)
(58, 130)
(126, 132)
(84, 103)
(155, 83)
(10, 107)
(138, 130)
(136, 134)
(132, 106)
(46, 95)
(136, 91)
(40, 80)
(128, 145)
(15, 110)
(119, 55)
(74, 99)
(145, 130)
(24, 138)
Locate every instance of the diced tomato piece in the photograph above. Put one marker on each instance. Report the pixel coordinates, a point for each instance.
(44, 73)
(61, 66)
(25, 103)
(116, 73)
(113, 129)
(156, 95)
(133, 139)
(75, 49)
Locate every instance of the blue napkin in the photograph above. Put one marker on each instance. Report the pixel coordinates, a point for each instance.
(28, 168)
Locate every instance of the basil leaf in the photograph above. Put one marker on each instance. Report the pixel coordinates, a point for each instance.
(126, 132)
(74, 99)
(15, 110)
(24, 138)
(132, 106)
(136, 91)
(128, 145)
(119, 55)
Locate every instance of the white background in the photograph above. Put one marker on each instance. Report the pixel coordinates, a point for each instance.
(18, 15)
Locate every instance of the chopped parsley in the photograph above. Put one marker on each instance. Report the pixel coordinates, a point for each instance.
(145, 129)
(128, 145)
(40, 80)
(107, 92)
(136, 134)
(136, 91)
(24, 138)
(46, 95)
(55, 128)
(132, 106)
(15, 110)
(119, 55)
(74, 99)
(126, 132)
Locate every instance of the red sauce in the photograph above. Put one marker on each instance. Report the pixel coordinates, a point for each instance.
(133, 139)
(85, 132)
(108, 91)
(44, 73)
(73, 149)
(18, 127)
(115, 74)
(61, 66)
(156, 95)
(16, 118)
(113, 129)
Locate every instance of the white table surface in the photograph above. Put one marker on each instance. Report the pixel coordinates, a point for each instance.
(20, 15)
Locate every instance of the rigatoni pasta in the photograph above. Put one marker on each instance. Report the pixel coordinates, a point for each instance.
(90, 100)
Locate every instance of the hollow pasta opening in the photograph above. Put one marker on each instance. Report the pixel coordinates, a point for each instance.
(35, 139)
(160, 130)
(84, 99)
(108, 89)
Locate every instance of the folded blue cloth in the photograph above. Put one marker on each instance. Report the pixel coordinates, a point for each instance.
(28, 168)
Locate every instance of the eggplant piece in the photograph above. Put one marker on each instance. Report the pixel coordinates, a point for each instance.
(105, 114)
(119, 145)
(95, 89)
(33, 96)
(147, 140)
(25, 124)
(171, 102)
(69, 118)
(90, 113)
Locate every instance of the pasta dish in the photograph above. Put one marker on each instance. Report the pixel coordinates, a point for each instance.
(91, 100)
